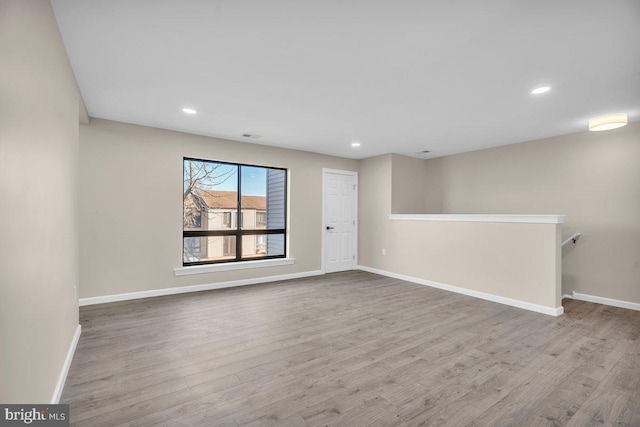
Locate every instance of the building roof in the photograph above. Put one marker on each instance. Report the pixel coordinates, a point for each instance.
(229, 200)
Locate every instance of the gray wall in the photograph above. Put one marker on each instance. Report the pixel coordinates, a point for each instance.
(482, 257)
(374, 204)
(38, 213)
(592, 177)
(131, 205)
(408, 174)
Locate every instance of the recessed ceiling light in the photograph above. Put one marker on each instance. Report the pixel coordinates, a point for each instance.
(355, 144)
(539, 90)
(608, 121)
(189, 111)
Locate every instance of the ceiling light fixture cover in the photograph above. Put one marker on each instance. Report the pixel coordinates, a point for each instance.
(539, 90)
(189, 110)
(608, 121)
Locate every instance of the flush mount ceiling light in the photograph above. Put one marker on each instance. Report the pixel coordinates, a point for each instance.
(539, 90)
(189, 111)
(355, 144)
(608, 121)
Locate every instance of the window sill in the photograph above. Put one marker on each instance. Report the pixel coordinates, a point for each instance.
(228, 266)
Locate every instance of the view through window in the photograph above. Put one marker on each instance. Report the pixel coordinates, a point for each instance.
(232, 212)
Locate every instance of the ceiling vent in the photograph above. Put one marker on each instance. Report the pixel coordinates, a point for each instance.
(250, 135)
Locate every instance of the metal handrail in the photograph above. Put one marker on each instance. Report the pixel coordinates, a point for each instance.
(574, 238)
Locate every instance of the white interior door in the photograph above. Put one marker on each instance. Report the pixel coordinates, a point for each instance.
(339, 228)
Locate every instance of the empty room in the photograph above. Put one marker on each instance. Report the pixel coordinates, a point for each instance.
(319, 213)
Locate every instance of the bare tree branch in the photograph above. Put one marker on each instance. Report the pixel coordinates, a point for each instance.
(199, 177)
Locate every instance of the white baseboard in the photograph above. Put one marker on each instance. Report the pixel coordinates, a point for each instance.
(476, 294)
(62, 378)
(567, 296)
(606, 301)
(195, 288)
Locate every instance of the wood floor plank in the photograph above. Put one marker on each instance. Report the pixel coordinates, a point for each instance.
(352, 349)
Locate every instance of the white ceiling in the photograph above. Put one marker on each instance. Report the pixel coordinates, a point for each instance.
(396, 75)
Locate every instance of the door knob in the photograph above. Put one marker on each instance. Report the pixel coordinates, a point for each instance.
(329, 228)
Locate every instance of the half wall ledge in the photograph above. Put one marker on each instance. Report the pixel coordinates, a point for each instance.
(525, 219)
(510, 259)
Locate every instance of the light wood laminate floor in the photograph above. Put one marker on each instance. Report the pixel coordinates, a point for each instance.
(352, 349)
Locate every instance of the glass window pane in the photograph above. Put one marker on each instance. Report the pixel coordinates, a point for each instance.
(254, 197)
(275, 244)
(261, 245)
(210, 195)
(211, 248)
(253, 247)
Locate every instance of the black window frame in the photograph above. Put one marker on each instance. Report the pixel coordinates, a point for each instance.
(238, 231)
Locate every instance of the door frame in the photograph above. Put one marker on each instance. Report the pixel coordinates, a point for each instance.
(354, 242)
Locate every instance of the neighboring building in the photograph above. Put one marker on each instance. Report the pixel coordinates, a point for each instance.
(218, 210)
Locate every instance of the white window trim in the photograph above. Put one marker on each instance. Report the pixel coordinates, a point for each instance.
(228, 266)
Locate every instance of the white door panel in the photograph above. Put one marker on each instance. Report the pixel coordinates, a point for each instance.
(339, 224)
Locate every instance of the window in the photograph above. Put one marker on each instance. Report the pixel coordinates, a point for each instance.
(261, 246)
(229, 246)
(261, 219)
(226, 221)
(232, 212)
